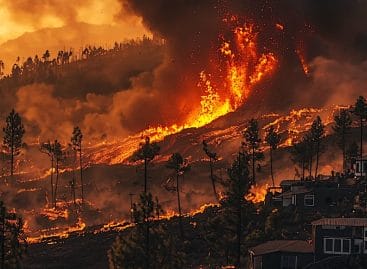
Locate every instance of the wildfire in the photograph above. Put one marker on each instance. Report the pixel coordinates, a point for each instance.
(257, 193)
(244, 68)
(302, 59)
(78, 227)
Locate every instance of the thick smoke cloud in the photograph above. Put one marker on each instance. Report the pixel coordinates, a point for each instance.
(335, 30)
(332, 35)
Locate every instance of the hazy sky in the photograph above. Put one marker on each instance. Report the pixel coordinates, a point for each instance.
(20, 16)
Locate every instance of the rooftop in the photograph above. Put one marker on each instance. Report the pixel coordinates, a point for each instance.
(293, 246)
(341, 222)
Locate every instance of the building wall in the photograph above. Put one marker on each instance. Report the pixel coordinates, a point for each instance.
(320, 233)
(274, 260)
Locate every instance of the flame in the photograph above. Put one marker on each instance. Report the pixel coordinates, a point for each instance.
(257, 193)
(78, 227)
(244, 68)
(301, 55)
(279, 26)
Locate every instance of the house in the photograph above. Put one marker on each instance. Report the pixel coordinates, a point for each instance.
(281, 254)
(339, 236)
(323, 196)
(360, 167)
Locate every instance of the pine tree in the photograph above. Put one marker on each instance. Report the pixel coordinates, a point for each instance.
(13, 137)
(13, 243)
(360, 110)
(342, 126)
(146, 153)
(133, 249)
(253, 140)
(317, 133)
(48, 148)
(273, 140)
(234, 203)
(76, 141)
(212, 158)
(176, 163)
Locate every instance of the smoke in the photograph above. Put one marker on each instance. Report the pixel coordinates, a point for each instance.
(333, 30)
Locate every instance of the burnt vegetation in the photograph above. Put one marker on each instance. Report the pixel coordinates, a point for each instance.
(155, 239)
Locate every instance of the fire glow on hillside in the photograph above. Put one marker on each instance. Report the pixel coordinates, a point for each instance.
(244, 67)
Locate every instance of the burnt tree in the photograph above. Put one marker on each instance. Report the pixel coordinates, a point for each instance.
(76, 142)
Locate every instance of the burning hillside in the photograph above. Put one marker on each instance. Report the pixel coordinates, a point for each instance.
(198, 79)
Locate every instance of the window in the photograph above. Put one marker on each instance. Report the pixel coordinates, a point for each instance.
(328, 245)
(357, 169)
(337, 246)
(309, 200)
(364, 167)
(346, 246)
(288, 262)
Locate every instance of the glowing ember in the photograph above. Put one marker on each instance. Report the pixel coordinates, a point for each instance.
(302, 59)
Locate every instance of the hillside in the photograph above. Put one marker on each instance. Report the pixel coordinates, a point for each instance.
(74, 36)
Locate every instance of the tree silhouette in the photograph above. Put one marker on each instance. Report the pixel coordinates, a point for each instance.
(58, 155)
(360, 110)
(317, 132)
(273, 140)
(13, 137)
(130, 249)
(76, 141)
(212, 158)
(48, 148)
(234, 202)
(301, 154)
(342, 126)
(253, 140)
(176, 163)
(13, 242)
(146, 153)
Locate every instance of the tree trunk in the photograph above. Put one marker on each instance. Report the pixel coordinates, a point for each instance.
(81, 172)
(52, 180)
(253, 166)
(239, 214)
(145, 176)
(271, 166)
(343, 150)
(179, 203)
(147, 243)
(12, 162)
(57, 181)
(317, 158)
(212, 179)
(303, 170)
(361, 147)
(310, 166)
(2, 212)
